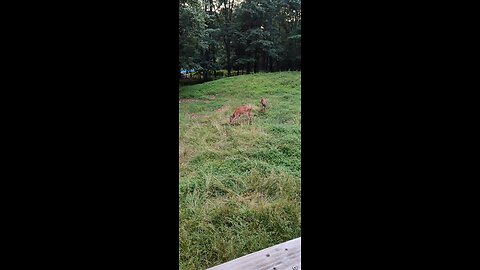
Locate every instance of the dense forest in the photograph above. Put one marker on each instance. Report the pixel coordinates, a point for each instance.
(239, 35)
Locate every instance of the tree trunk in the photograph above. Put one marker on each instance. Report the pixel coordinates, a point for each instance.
(229, 66)
(265, 64)
(227, 49)
(205, 75)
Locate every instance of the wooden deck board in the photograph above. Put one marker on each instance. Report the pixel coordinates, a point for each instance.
(279, 257)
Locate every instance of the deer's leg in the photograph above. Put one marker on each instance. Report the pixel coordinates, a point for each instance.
(249, 118)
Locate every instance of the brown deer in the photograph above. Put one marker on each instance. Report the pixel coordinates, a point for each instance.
(264, 104)
(245, 109)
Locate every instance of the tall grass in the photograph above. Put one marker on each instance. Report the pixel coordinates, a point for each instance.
(239, 188)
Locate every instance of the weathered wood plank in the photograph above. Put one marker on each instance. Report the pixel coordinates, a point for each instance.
(279, 257)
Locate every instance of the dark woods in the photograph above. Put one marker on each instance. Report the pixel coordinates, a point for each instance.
(232, 37)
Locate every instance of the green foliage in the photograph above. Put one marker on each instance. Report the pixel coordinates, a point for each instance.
(191, 33)
(258, 35)
(238, 179)
(220, 73)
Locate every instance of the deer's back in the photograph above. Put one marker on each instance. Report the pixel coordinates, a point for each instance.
(243, 109)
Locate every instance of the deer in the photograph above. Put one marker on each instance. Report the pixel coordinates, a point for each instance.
(245, 109)
(264, 104)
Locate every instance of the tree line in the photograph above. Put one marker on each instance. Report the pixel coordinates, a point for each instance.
(239, 35)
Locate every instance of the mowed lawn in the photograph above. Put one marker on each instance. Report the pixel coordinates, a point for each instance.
(239, 189)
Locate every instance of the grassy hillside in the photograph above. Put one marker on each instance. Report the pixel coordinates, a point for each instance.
(239, 184)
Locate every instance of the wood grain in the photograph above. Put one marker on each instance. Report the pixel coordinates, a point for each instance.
(279, 257)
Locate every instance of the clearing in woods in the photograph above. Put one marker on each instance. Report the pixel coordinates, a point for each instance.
(239, 189)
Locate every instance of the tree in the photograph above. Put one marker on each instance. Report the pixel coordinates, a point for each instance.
(211, 39)
(227, 28)
(258, 35)
(269, 37)
(191, 34)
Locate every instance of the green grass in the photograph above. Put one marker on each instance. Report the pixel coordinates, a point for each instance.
(239, 188)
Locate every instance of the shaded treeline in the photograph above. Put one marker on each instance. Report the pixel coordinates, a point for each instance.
(238, 36)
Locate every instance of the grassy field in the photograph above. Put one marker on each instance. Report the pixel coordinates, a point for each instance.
(239, 184)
